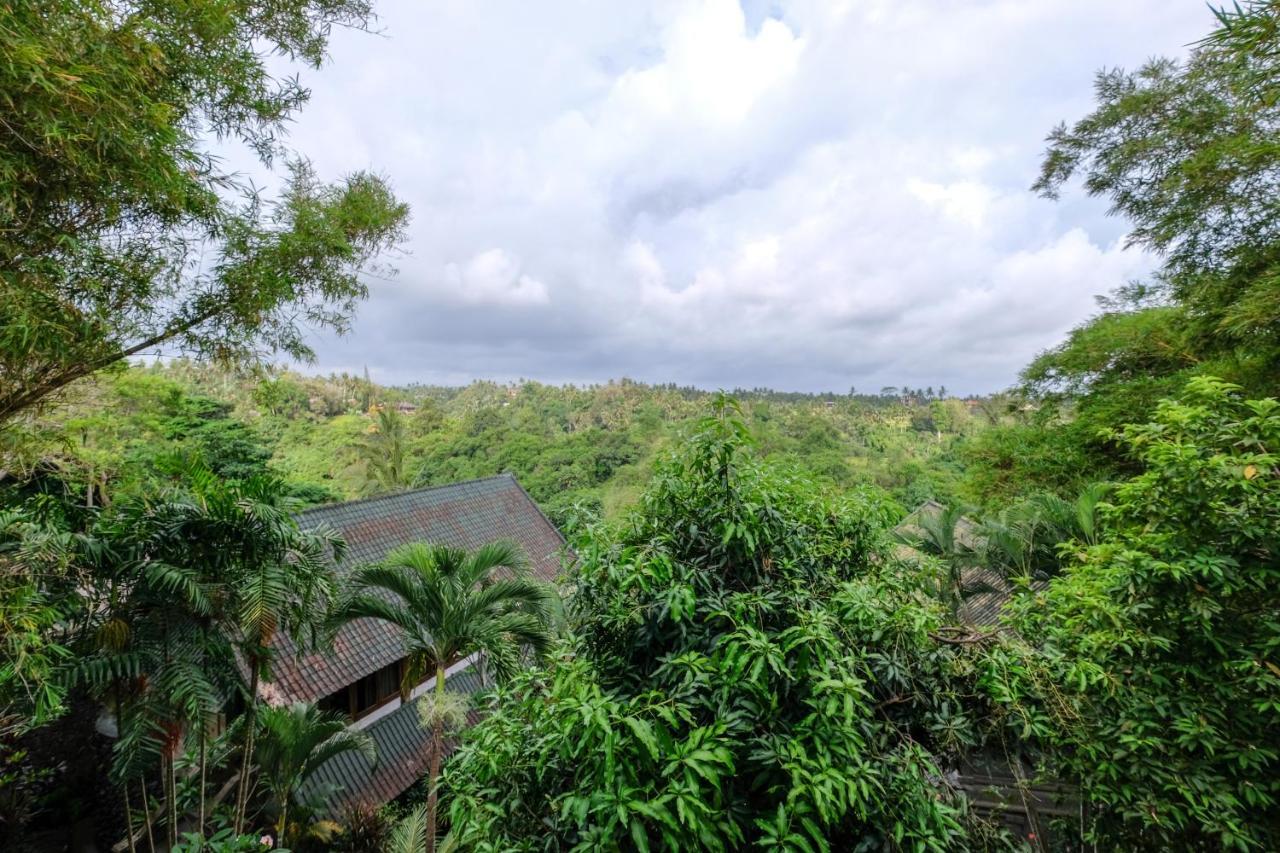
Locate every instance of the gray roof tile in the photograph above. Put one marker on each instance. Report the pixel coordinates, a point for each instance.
(404, 751)
(463, 515)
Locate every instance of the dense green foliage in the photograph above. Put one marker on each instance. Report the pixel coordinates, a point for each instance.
(758, 651)
(578, 451)
(1187, 153)
(748, 667)
(1153, 658)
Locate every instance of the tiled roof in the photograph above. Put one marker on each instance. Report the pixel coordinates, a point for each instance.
(986, 592)
(404, 751)
(462, 515)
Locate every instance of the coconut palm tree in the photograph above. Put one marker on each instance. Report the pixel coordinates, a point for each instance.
(449, 605)
(294, 741)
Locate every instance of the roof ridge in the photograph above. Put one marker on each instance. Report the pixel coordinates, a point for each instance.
(538, 507)
(404, 492)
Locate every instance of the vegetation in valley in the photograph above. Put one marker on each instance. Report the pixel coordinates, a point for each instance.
(577, 450)
(749, 667)
(753, 645)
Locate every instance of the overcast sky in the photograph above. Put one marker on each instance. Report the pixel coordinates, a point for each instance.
(807, 195)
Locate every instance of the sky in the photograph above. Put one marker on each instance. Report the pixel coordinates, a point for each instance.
(803, 195)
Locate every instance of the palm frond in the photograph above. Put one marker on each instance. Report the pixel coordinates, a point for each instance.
(178, 580)
(501, 554)
(371, 606)
(1089, 507)
(402, 579)
(508, 594)
(410, 834)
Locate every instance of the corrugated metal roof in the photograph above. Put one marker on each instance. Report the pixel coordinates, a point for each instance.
(404, 751)
(462, 515)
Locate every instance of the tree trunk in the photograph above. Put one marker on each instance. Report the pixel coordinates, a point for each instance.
(128, 809)
(204, 761)
(251, 725)
(437, 746)
(128, 819)
(166, 798)
(146, 815)
(283, 829)
(162, 813)
(172, 820)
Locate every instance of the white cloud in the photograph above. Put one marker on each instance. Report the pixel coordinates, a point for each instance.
(806, 194)
(712, 71)
(965, 202)
(493, 277)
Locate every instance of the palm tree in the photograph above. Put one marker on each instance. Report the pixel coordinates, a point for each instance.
(1027, 538)
(940, 531)
(265, 575)
(449, 605)
(1013, 540)
(386, 467)
(295, 741)
(151, 652)
(409, 834)
(1088, 515)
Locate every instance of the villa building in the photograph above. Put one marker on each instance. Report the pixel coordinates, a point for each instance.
(359, 676)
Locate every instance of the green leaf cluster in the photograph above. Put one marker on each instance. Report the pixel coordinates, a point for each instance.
(748, 667)
(123, 232)
(1151, 668)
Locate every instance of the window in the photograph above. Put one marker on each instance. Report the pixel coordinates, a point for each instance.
(370, 692)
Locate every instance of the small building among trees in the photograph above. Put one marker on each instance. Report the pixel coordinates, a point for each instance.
(360, 674)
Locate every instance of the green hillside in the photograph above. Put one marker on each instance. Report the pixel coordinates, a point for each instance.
(579, 451)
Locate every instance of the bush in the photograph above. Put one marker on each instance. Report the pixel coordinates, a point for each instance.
(1008, 462)
(749, 666)
(1154, 670)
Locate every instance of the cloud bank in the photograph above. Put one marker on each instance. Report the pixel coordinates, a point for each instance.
(808, 195)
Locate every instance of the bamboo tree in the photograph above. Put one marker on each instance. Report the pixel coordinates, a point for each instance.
(108, 174)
